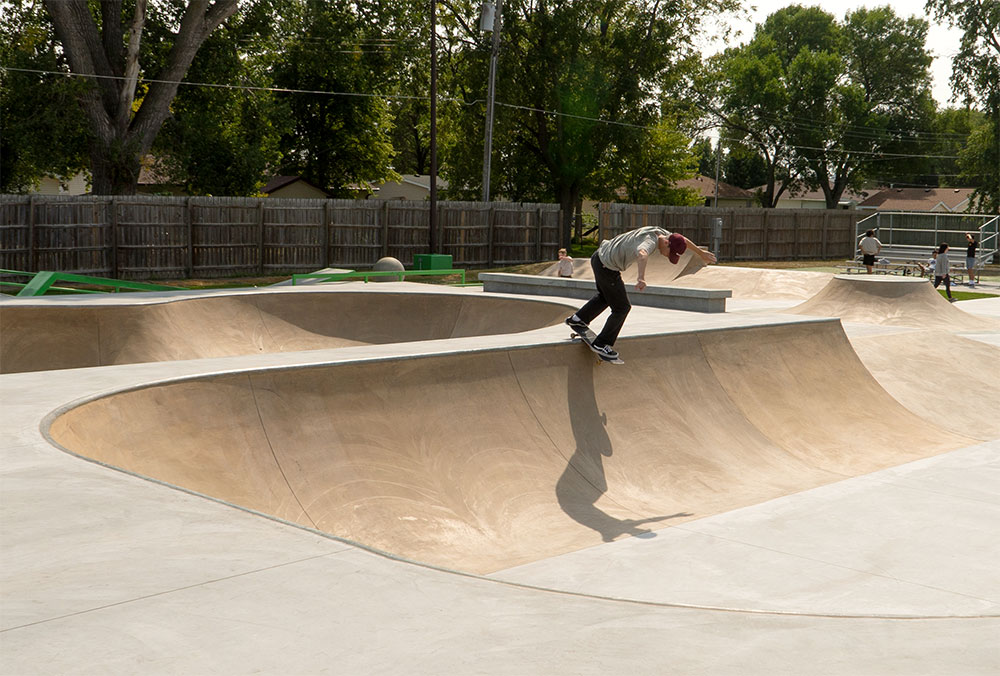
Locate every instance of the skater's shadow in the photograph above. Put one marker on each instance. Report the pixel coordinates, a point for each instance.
(583, 482)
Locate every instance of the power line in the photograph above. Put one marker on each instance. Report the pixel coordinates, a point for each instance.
(285, 90)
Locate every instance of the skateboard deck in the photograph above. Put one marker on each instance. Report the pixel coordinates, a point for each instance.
(587, 338)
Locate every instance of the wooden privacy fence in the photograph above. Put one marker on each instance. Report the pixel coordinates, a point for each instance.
(747, 234)
(151, 237)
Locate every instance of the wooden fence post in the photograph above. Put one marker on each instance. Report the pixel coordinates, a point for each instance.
(385, 228)
(826, 228)
(113, 223)
(189, 233)
(765, 233)
(260, 237)
(538, 234)
(795, 236)
(324, 237)
(490, 222)
(32, 248)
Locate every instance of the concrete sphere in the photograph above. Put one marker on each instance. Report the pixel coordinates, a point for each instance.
(385, 264)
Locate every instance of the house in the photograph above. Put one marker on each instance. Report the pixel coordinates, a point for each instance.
(294, 187)
(802, 198)
(940, 200)
(77, 185)
(408, 187)
(729, 195)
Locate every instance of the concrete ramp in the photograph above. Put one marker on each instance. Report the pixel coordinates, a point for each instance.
(892, 301)
(45, 336)
(939, 376)
(691, 272)
(482, 461)
(758, 283)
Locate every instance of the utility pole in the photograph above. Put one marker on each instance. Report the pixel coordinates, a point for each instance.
(490, 21)
(718, 163)
(432, 239)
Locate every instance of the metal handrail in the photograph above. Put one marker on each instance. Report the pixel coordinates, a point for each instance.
(398, 274)
(44, 280)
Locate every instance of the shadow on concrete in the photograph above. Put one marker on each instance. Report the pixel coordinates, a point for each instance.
(583, 482)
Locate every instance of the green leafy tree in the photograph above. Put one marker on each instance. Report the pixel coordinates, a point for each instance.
(646, 164)
(824, 103)
(704, 152)
(746, 89)
(571, 79)
(42, 132)
(865, 104)
(341, 134)
(225, 140)
(744, 168)
(976, 77)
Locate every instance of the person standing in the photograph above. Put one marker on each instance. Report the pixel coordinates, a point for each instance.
(941, 270)
(611, 259)
(970, 258)
(565, 268)
(869, 246)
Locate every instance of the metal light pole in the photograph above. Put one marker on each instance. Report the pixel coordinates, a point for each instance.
(432, 239)
(490, 22)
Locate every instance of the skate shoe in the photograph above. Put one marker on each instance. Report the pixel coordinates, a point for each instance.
(577, 325)
(604, 351)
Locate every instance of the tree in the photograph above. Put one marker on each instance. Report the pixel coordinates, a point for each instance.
(103, 44)
(744, 168)
(36, 107)
(976, 76)
(225, 140)
(751, 98)
(824, 103)
(573, 79)
(865, 104)
(646, 164)
(340, 131)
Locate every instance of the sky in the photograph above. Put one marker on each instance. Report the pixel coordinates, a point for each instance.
(942, 41)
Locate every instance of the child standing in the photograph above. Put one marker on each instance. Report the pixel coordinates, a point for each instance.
(941, 270)
(565, 264)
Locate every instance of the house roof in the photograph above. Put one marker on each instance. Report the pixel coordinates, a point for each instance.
(421, 180)
(706, 187)
(815, 194)
(151, 172)
(279, 182)
(918, 199)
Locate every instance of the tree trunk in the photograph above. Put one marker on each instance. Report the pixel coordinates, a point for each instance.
(122, 138)
(568, 195)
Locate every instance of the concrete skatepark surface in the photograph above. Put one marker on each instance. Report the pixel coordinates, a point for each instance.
(803, 520)
(70, 334)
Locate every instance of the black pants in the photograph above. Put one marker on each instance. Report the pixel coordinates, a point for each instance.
(610, 293)
(947, 283)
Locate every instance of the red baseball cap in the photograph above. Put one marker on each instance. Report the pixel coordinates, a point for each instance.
(678, 245)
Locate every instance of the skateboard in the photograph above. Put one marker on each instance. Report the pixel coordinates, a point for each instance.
(587, 338)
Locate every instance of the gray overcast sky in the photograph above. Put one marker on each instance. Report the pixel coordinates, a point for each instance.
(942, 41)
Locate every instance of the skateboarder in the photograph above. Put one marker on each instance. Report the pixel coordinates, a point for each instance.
(613, 257)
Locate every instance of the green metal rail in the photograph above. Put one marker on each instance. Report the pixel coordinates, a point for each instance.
(45, 280)
(398, 274)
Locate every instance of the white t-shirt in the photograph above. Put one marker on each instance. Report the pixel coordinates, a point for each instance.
(620, 252)
(566, 267)
(870, 245)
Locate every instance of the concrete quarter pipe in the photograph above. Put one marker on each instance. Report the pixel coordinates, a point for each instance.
(483, 461)
(46, 336)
